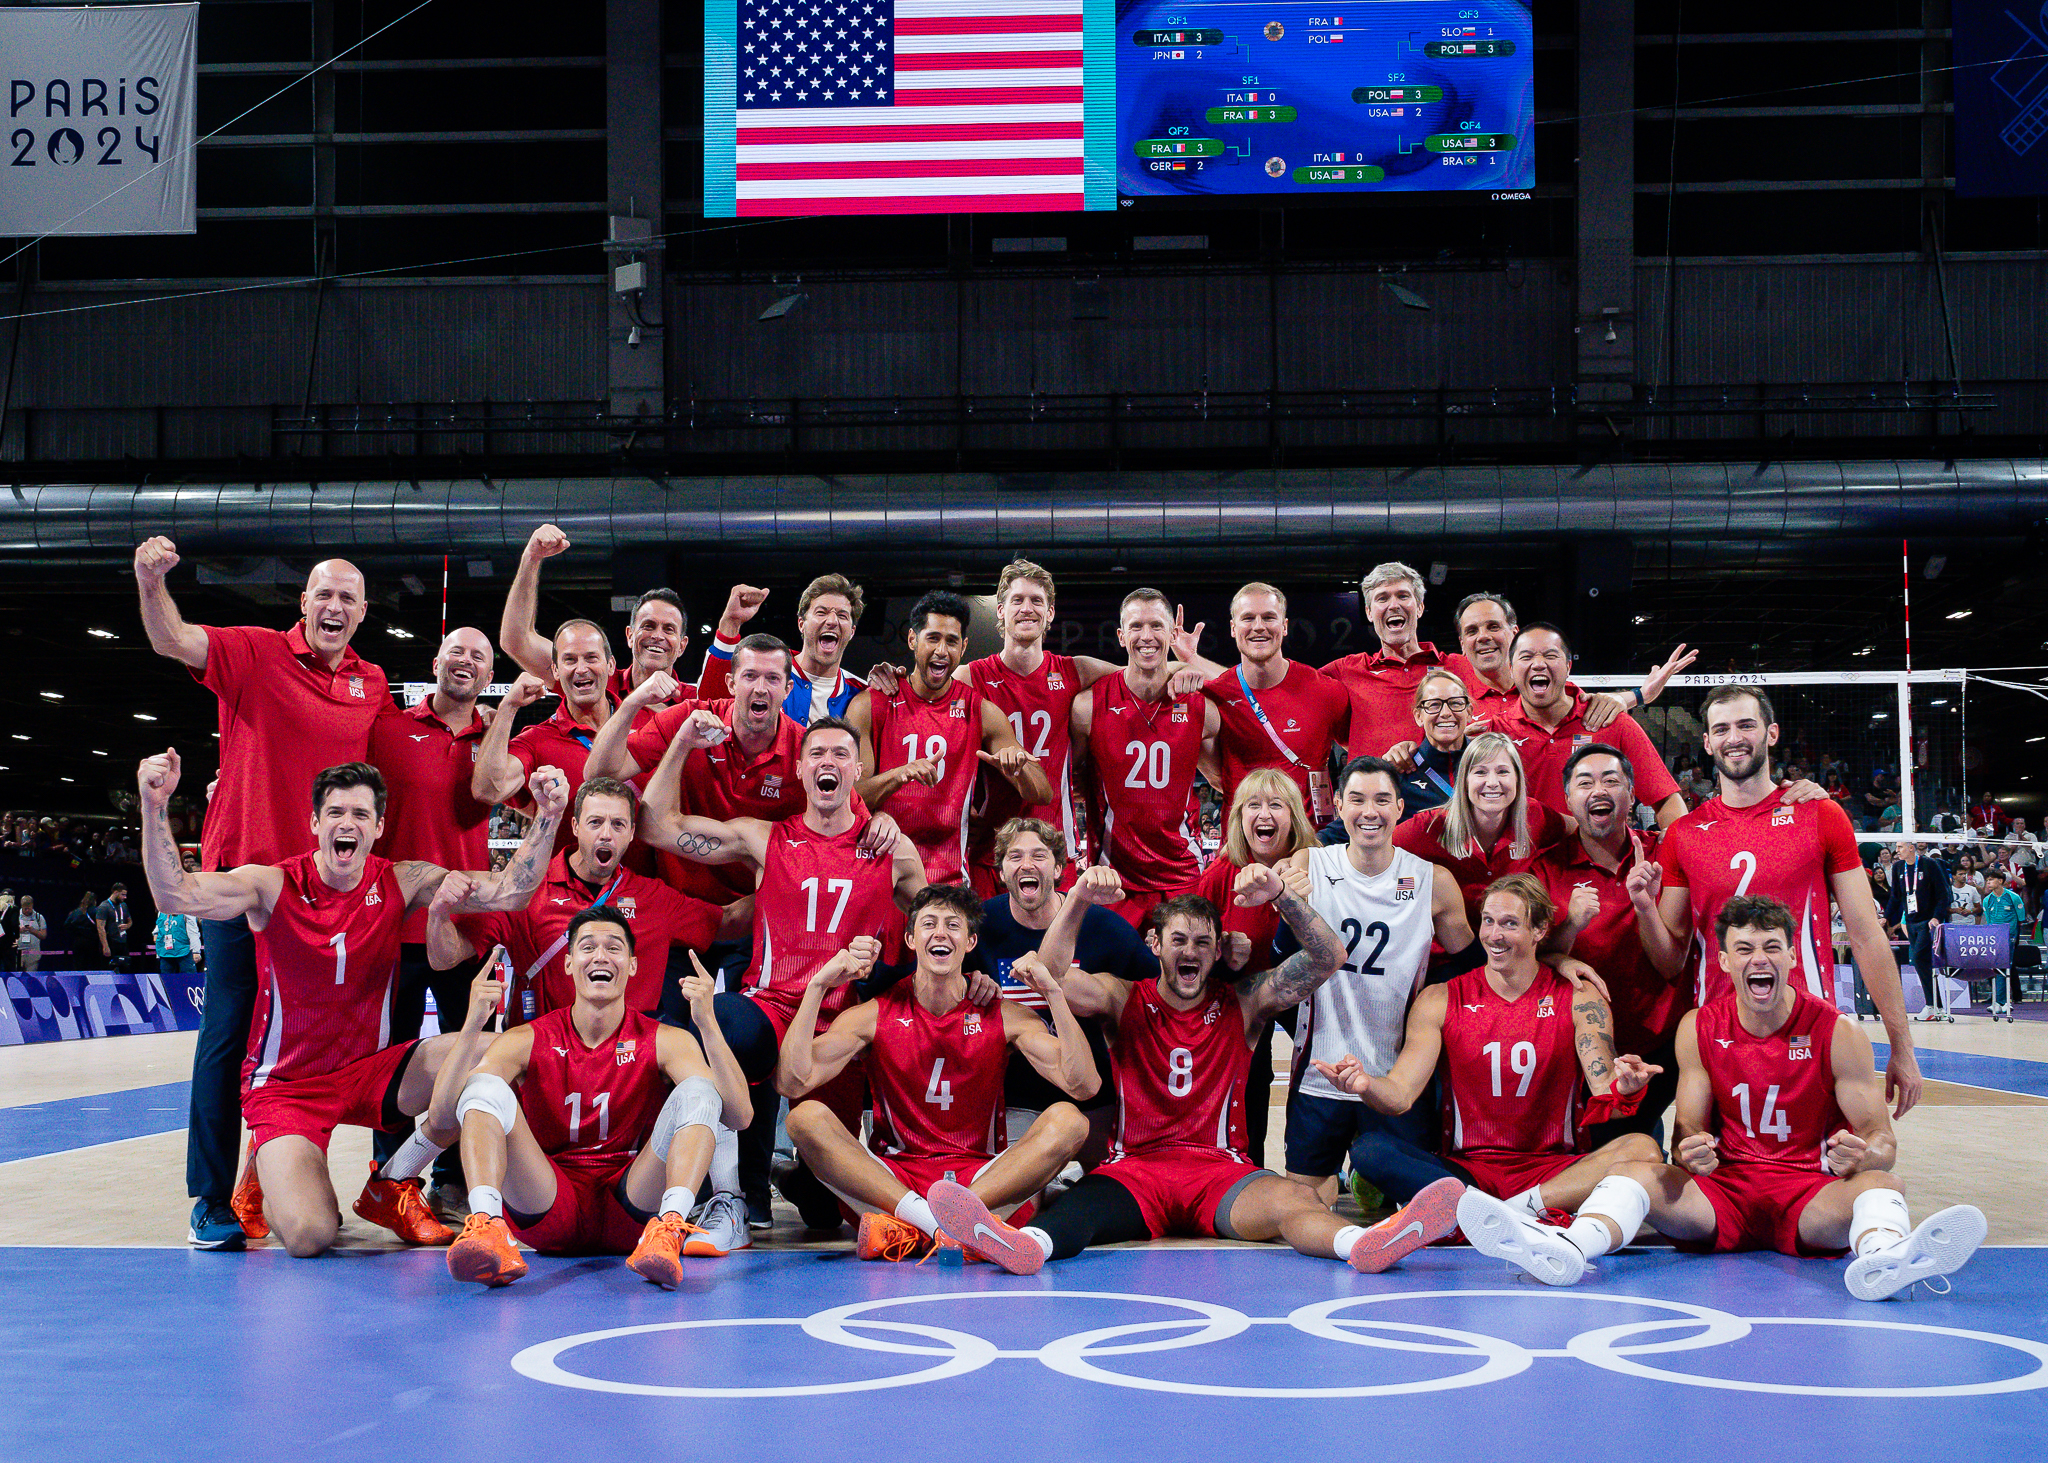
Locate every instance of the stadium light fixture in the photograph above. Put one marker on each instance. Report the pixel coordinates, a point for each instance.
(398, 632)
(23, 736)
(1405, 295)
(144, 716)
(2032, 740)
(1961, 614)
(783, 306)
(99, 634)
(53, 695)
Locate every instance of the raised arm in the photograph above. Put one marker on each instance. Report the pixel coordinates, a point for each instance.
(169, 635)
(876, 788)
(741, 605)
(1694, 1146)
(1662, 917)
(497, 775)
(1880, 972)
(517, 635)
(1297, 977)
(230, 894)
(447, 946)
(486, 891)
(699, 986)
(1087, 993)
(1868, 1142)
(1396, 1092)
(1061, 1055)
(486, 998)
(609, 756)
(1602, 708)
(809, 1061)
(701, 840)
(1001, 750)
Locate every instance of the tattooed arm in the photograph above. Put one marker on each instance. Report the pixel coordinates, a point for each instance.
(701, 840)
(251, 889)
(1593, 1025)
(1296, 978)
(480, 891)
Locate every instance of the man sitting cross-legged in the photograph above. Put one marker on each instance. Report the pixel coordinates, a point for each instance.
(935, 1064)
(607, 1139)
(1784, 1140)
(1180, 1047)
(1518, 1048)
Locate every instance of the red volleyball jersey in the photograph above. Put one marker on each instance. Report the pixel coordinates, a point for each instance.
(326, 964)
(937, 1080)
(1144, 755)
(1788, 851)
(1039, 706)
(816, 893)
(907, 727)
(1774, 1096)
(1180, 1075)
(593, 1106)
(1512, 1079)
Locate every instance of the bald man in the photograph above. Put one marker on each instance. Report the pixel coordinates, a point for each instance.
(426, 754)
(291, 702)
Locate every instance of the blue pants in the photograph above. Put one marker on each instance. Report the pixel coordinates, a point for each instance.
(1920, 944)
(1397, 1155)
(174, 964)
(213, 1139)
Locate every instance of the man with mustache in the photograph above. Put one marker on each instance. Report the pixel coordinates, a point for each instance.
(826, 614)
(291, 703)
(1275, 712)
(655, 633)
(1752, 838)
(580, 672)
(921, 745)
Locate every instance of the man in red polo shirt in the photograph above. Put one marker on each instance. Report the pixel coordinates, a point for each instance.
(1587, 877)
(292, 702)
(1381, 683)
(426, 754)
(1547, 723)
(655, 638)
(589, 873)
(581, 671)
(1275, 712)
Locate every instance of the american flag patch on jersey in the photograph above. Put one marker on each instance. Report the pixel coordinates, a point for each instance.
(1404, 886)
(624, 1052)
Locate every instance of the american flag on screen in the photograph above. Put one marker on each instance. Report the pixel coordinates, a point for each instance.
(908, 106)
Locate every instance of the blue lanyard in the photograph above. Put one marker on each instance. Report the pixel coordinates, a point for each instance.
(1265, 721)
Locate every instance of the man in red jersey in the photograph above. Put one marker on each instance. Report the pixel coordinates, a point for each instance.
(1587, 878)
(1275, 712)
(655, 635)
(921, 746)
(426, 755)
(1547, 723)
(1751, 839)
(326, 929)
(1145, 744)
(1784, 1140)
(589, 875)
(1180, 1047)
(591, 1130)
(936, 1064)
(826, 614)
(1519, 1049)
(821, 877)
(1381, 683)
(291, 702)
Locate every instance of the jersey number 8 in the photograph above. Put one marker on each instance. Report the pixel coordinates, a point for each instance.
(1180, 1072)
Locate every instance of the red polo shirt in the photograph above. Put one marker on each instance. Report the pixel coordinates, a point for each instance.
(620, 686)
(430, 814)
(1646, 1006)
(284, 717)
(1382, 692)
(723, 782)
(1545, 751)
(534, 936)
(560, 741)
(1308, 712)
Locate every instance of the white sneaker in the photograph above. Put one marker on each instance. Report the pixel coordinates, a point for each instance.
(1504, 1232)
(721, 1222)
(1940, 1244)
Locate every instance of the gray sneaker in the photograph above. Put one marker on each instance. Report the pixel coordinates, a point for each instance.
(721, 1227)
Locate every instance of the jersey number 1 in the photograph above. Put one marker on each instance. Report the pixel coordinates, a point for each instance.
(339, 944)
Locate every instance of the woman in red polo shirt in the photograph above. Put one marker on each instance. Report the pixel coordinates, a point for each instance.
(1491, 827)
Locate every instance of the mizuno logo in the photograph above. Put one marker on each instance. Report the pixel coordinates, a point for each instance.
(1334, 878)
(1703, 827)
(903, 1021)
(798, 842)
(561, 1051)
(561, 899)
(1480, 1006)
(1724, 1042)
(420, 738)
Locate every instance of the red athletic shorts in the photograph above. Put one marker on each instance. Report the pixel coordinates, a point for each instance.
(586, 1217)
(1181, 1192)
(1137, 903)
(1757, 1207)
(1504, 1175)
(917, 1172)
(363, 1094)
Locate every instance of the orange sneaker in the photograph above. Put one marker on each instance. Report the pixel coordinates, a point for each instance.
(969, 1221)
(885, 1237)
(659, 1255)
(484, 1253)
(248, 1199)
(401, 1207)
(1423, 1220)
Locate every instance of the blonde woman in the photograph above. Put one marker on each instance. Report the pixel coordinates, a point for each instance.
(1490, 827)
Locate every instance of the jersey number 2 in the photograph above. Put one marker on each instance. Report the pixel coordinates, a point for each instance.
(1745, 861)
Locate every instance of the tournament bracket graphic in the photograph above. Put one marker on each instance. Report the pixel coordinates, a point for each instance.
(1323, 99)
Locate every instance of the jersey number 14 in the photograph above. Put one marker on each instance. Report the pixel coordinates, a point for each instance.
(1772, 1123)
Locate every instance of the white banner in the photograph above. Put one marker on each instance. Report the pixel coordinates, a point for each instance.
(99, 129)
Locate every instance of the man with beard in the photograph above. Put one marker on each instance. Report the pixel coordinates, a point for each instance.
(655, 635)
(826, 615)
(1275, 712)
(921, 745)
(1145, 744)
(1752, 839)
(580, 671)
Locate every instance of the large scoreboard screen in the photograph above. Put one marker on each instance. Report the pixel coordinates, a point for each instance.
(975, 106)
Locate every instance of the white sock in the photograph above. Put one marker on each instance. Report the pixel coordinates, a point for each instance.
(1624, 1201)
(678, 1199)
(483, 1199)
(1039, 1237)
(1529, 1202)
(912, 1209)
(412, 1159)
(1348, 1236)
(1878, 1218)
(725, 1161)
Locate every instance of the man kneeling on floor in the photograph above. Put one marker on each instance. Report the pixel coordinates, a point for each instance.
(607, 1140)
(1784, 1141)
(1180, 1047)
(935, 1066)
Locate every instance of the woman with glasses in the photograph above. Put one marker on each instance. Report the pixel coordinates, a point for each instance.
(1444, 708)
(1490, 827)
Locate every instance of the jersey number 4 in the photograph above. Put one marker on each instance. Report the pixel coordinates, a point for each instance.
(939, 1092)
(1772, 1123)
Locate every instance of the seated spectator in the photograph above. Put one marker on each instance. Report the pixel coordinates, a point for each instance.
(1963, 900)
(1875, 798)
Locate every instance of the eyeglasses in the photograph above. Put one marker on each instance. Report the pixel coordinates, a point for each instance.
(1448, 703)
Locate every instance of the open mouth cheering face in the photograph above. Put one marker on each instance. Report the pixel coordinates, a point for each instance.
(333, 603)
(1187, 953)
(1600, 793)
(829, 765)
(937, 646)
(462, 668)
(583, 664)
(346, 826)
(1395, 609)
(826, 626)
(1030, 871)
(1758, 961)
(759, 680)
(656, 637)
(600, 961)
